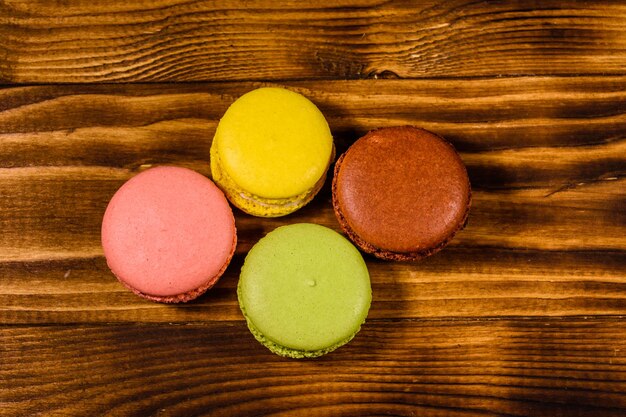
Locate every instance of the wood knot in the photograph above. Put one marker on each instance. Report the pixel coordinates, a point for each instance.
(339, 63)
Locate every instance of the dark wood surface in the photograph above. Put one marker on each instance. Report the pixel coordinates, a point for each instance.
(509, 367)
(195, 40)
(522, 315)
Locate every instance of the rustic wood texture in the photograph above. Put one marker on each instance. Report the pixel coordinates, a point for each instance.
(458, 368)
(44, 41)
(522, 315)
(546, 234)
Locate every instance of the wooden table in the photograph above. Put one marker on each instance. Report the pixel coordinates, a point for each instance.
(522, 315)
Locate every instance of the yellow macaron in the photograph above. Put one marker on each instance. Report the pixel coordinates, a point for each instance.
(271, 152)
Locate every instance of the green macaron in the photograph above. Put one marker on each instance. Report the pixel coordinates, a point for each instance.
(304, 290)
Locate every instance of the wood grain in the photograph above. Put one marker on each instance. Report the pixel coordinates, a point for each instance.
(546, 234)
(43, 41)
(522, 315)
(555, 367)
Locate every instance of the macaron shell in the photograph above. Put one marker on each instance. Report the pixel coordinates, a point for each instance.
(189, 295)
(274, 143)
(167, 233)
(406, 204)
(304, 288)
(258, 206)
(289, 352)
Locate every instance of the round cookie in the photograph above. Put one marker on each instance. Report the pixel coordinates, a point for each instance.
(304, 290)
(271, 151)
(401, 193)
(168, 234)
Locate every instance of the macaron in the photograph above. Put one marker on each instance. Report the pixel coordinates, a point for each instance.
(271, 151)
(168, 234)
(401, 193)
(304, 290)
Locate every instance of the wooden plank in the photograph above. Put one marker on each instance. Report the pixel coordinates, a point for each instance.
(547, 367)
(201, 40)
(459, 282)
(546, 234)
(131, 124)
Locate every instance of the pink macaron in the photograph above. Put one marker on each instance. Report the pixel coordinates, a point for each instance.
(168, 234)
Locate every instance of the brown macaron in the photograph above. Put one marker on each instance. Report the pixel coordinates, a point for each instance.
(401, 193)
